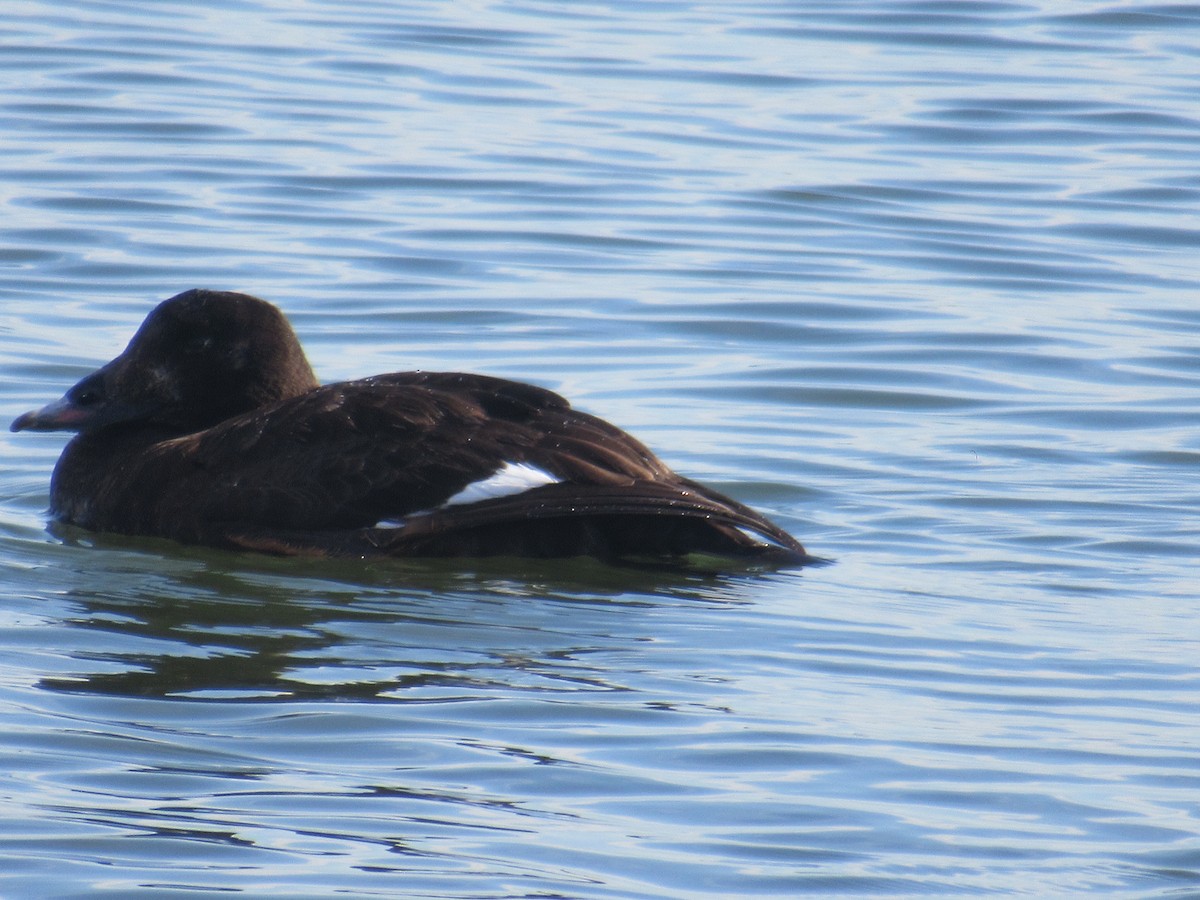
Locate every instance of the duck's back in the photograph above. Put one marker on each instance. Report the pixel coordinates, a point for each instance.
(427, 464)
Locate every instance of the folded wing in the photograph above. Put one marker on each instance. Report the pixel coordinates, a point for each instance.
(440, 464)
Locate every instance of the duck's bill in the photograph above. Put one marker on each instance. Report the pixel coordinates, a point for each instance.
(61, 415)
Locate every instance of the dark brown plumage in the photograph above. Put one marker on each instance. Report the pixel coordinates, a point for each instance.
(212, 429)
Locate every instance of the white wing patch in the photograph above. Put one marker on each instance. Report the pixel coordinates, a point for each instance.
(511, 478)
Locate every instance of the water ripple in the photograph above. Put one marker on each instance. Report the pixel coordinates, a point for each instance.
(915, 279)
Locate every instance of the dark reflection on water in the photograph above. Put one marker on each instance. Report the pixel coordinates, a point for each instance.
(252, 627)
(308, 711)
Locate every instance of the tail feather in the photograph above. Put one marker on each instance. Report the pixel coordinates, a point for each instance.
(612, 520)
(645, 519)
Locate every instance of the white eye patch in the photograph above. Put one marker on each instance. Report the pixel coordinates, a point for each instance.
(511, 478)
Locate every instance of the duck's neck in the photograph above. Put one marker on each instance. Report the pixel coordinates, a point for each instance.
(96, 465)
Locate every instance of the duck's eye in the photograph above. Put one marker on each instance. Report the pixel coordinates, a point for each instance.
(87, 397)
(87, 393)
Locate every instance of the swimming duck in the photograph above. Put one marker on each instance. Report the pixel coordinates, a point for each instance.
(211, 428)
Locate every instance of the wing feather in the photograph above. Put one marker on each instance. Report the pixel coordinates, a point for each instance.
(316, 474)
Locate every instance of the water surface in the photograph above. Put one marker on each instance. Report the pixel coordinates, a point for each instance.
(916, 279)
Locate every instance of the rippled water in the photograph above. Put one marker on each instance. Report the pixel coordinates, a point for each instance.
(917, 279)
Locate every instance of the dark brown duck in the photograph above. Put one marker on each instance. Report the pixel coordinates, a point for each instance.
(212, 429)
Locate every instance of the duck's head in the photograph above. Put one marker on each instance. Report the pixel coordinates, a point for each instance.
(198, 359)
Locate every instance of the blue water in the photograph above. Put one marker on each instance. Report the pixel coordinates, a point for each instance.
(916, 279)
